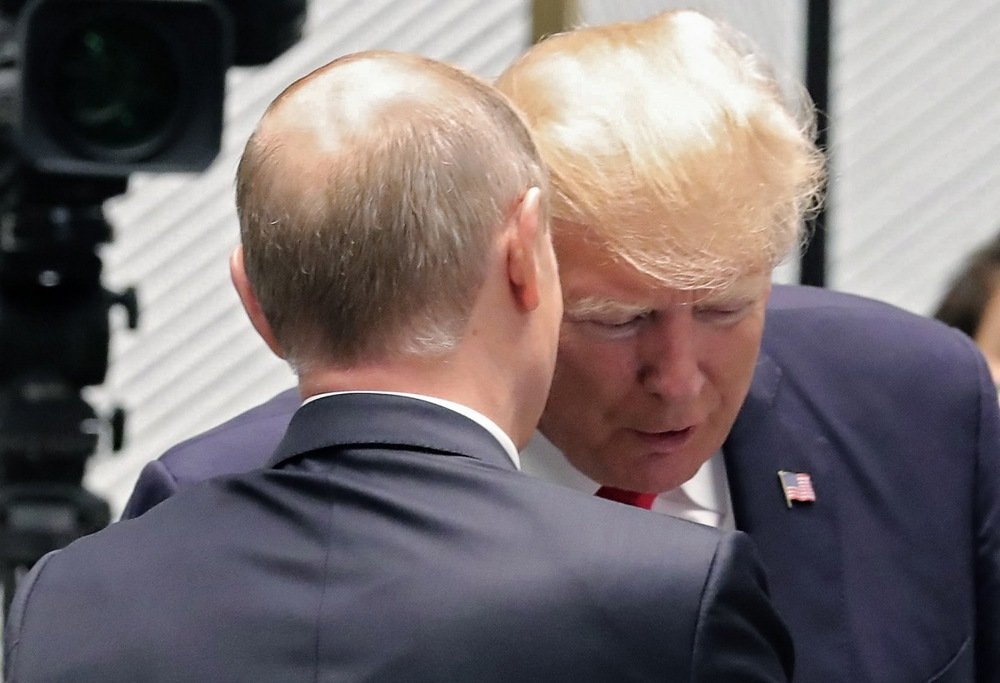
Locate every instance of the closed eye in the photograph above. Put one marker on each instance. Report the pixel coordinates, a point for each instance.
(724, 314)
(613, 327)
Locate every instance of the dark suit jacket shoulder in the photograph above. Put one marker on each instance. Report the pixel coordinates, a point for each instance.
(393, 540)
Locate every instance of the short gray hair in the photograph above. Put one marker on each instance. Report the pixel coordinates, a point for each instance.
(372, 239)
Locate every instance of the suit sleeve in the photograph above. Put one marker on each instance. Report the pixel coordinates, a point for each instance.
(739, 635)
(987, 520)
(240, 444)
(15, 619)
(155, 484)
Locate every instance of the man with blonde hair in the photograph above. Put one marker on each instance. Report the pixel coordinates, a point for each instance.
(857, 444)
(395, 250)
(667, 228)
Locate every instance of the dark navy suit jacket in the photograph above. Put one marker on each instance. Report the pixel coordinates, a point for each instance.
(391, 539)
(893, 574)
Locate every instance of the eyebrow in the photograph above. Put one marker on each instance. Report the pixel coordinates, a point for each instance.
(598, 305)
(728, 297)
(592, 305)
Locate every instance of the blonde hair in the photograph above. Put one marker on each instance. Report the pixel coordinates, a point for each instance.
(670, 145)
(369, 200)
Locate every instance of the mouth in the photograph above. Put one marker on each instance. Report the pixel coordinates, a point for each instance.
(664, 442)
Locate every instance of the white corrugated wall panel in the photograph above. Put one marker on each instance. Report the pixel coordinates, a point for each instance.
(915, 144)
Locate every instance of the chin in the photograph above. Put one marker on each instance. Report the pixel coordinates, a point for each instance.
(658, 480)
(648, 482)
(660, 484)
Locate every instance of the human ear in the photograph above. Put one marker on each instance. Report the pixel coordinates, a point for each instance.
(522, 258)
(237, 272)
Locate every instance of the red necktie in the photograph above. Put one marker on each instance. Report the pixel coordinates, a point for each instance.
(640, 500)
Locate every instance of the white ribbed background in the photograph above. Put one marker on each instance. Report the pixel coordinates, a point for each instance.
(916, 144)
(916, 134)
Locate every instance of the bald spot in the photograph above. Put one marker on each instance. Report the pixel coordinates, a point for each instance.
(324, 111)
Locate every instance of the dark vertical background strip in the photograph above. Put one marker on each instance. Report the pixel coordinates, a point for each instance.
(551, 16)
(813, 264)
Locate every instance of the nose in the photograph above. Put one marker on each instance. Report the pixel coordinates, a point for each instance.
(668, 357)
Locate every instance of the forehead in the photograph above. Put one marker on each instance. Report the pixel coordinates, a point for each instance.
(588, 271)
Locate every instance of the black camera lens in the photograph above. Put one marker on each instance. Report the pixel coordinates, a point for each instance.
(115, 87)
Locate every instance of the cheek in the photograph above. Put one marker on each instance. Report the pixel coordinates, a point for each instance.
(590, 381)
(735, 356)
(587, 369)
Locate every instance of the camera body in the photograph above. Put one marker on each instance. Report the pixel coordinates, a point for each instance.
(112, 87)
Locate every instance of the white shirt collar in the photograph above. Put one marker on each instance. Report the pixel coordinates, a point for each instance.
(704, 498)
(486, 423)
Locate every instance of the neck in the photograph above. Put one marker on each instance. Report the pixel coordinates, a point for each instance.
(456, 377)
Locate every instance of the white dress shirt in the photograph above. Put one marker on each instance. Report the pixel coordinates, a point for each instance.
(704, 498)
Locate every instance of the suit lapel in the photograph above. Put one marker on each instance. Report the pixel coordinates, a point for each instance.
(778, 430)
(381, 420)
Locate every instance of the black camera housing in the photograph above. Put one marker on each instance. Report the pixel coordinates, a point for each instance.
(111, 87)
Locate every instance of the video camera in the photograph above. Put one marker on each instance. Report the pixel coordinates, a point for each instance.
(91, 91)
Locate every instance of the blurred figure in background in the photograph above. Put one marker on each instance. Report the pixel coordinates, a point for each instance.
(972, 302)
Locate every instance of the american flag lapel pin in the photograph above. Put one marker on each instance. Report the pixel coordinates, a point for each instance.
(797, 487)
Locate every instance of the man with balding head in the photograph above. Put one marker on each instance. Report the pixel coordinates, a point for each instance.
(395, 250)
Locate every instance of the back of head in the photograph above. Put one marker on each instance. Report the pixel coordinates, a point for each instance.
(671, 143)
(370, 197)
(971, 289)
